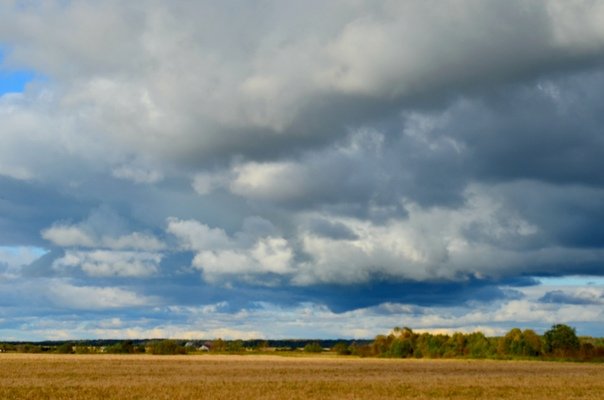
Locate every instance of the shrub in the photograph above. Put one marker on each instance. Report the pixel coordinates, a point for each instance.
(126, 347)
(166, 347)
(342, 349)
(65, 348)
(314, 347)
(478, 346)
(28, 348)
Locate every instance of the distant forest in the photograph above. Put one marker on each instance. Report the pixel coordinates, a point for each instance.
(558, 343)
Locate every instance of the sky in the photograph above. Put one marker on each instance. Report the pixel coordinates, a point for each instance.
(285, 169)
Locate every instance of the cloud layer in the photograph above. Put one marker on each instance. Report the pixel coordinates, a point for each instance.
(328, 161)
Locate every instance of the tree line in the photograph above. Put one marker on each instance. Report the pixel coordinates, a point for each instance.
(559, 342)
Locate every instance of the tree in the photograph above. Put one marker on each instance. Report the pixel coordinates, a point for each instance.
(428, 345)
(342, 349)
(84, 349)
(478, 346)
(262, 345)
(65, 348)
(314, 347)
(401, 347)
(532, 343)
(361, 350)
(166, 347)
(28, 348)
(381, 344)
(561, 340)
(511, 343)
(456, 345)
(235, 346)
(5, 347)
(520, 343)
(125, 347)
(218, 346)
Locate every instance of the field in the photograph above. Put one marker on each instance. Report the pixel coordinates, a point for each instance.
(106, 377)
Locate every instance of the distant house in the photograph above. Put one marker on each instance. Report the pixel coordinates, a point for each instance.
(206, 346)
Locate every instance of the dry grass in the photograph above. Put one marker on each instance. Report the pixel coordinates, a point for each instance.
(25, 376)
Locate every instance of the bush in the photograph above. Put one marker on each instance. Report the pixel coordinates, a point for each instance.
(126, 347)
(5, 347)
(401, 348)
(65, 348)
(28, 348)
(361, 350)
(235, 346)
(314, 347)
(218, 346)
(341, 349)
(85, 350)
(166, 347)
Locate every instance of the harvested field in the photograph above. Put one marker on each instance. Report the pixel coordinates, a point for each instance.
(25, 376)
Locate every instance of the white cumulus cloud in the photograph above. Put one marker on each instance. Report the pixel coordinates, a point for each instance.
(67, 295)
(105, 263)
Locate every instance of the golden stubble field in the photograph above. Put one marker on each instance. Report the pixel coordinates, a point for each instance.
(106, 377)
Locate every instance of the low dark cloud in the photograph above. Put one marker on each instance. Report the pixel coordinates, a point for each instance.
(345, 298)
(331, 230)
(562, 297)
(28, 207)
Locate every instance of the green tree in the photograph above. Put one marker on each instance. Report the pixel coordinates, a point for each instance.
(5, 347)
(262, 346)
(381, 345)
(218, 346)
(28, 348)
(314, 347)
(65, 348)
(478, 346)
(510, 344)
(520, 343)
(402, 342)
(428, 345)
(401, 347)
(361, 350)
(126, 347)
(342, 349)
(84, 350)
(235, 346)
(561, 340)
(166, 347)
(532, 343)
(456, 345)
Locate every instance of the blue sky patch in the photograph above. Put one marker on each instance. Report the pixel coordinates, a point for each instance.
(13, 80)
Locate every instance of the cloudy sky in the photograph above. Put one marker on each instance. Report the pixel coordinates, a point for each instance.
(309, 169)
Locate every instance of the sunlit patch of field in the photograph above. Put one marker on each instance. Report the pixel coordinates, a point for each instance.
(24, 376)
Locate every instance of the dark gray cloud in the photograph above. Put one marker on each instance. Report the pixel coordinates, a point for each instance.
(28, 207)
(200, 92)
(331, 230)
(581, 298)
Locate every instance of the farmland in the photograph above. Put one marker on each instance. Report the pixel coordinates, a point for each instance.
(52, 376)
